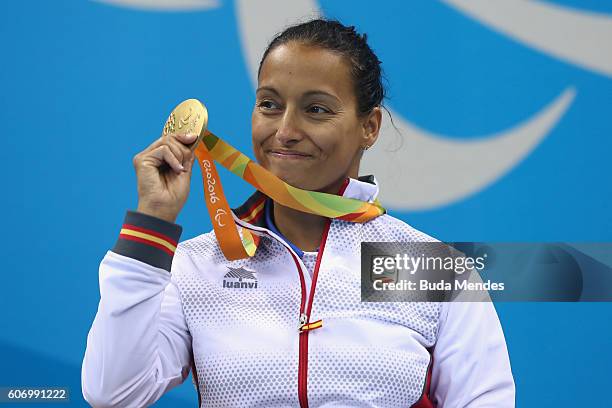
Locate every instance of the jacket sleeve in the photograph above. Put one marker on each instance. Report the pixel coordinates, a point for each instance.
(471, 367)
(139, 345)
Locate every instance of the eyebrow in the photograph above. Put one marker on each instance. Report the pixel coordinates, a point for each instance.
(309, 93)
(267, 88)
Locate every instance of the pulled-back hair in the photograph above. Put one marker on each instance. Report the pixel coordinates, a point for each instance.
(334, 36)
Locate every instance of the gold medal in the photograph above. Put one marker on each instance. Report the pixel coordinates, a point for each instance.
(189, 117)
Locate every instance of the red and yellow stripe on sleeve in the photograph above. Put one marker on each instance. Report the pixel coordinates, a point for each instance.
(148, 237)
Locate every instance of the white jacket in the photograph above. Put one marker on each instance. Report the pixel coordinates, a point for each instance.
(236, 324)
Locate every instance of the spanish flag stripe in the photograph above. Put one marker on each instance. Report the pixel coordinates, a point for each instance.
(152, 233)
(312, 326)
(315, 325)
(147, 242)
(254, 213)
(148, 239)
(254, 207)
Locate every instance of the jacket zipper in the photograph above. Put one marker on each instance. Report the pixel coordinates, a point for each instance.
(304, 319)
(304, 314)
(306, 310)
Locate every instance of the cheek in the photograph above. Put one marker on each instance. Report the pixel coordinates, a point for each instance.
(261, 130)
(339, 143)
(329, 148)
(258, 135)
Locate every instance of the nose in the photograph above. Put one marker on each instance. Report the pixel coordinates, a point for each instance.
(289, 131)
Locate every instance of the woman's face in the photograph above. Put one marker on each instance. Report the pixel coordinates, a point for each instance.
(306, 129)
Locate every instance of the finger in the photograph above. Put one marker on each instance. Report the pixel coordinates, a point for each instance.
(186, 139)
(189, 166)
(154, 145)
(182, 152)
(164, 154)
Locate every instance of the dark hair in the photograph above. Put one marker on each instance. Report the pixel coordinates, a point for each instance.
(335, 36)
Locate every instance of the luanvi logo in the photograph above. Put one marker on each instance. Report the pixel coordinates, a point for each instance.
(240, 278)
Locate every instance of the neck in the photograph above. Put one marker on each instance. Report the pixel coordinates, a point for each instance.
(304, 230)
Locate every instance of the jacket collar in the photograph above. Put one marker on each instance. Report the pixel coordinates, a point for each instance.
(364, 188)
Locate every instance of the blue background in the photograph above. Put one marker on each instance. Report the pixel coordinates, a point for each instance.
(85, 86)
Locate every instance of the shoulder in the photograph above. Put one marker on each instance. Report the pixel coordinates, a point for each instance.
(198, 262)
(394, 229)
(204, 245)
(199, 242)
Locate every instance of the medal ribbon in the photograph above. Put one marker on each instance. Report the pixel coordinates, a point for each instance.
(212, 148)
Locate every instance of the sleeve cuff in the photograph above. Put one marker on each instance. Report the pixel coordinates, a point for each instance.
(148, 239)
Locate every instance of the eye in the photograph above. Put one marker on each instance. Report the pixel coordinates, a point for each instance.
(267, 105)
(318, 109)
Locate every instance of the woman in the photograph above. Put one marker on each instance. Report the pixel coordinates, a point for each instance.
(318, 107)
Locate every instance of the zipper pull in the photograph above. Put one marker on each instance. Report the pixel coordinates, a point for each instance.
(303, 321)
(305, 326)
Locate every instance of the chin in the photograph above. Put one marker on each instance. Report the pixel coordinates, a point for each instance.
(293, 174)
(296, 181)
(294, 178)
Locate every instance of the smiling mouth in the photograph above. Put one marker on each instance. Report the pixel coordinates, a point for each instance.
(289, 154)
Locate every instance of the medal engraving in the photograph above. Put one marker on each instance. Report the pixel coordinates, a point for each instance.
(188, 117)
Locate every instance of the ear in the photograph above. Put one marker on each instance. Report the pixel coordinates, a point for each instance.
(371, 127)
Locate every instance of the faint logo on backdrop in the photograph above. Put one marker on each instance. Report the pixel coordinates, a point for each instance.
(165, 5)
(433, 170)
(576, 37)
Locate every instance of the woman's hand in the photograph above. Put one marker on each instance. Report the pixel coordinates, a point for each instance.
(163, 173)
